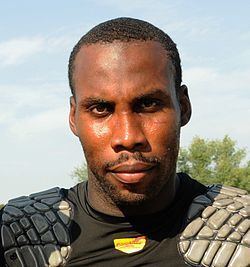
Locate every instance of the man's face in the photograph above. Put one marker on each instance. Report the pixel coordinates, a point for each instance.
(127, 115)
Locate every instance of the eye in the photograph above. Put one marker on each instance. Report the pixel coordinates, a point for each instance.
(101, 109)
(148, 105)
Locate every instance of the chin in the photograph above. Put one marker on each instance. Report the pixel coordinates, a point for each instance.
(129, 194)
(129, 198)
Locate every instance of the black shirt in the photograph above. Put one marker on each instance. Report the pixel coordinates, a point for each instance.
(93, 233)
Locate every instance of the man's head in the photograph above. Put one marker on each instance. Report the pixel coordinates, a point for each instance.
(127, 110)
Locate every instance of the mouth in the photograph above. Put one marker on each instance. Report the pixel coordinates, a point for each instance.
(131, 173)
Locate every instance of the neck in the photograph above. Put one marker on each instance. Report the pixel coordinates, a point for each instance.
(101, 202)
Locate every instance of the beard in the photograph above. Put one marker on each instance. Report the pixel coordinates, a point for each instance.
(134, 195)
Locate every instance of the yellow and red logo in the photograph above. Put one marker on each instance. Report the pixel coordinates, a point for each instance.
(130, 245)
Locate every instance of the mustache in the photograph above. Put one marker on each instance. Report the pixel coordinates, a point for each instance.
(136, 156)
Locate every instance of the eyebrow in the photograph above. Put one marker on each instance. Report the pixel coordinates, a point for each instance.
(93, 100)
(152, 94)
(96, 100)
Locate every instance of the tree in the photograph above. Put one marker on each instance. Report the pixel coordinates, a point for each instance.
(80, 173)
(208, 161)
(1, 206)
(216, 161)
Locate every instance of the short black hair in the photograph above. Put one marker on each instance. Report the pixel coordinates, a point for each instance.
(126, 30)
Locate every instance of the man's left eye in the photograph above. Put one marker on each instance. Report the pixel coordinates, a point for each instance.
(149, 103)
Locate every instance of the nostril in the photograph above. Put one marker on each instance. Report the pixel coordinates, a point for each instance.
(128, 147)
(132, 143)
(128, 134)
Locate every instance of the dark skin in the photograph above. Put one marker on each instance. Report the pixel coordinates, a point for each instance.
(127, 114)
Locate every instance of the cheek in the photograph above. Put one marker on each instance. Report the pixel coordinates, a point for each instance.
(100, 130)
(163, 136)
(94, 137)
(89, 130)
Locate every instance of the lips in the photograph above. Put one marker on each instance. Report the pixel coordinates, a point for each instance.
(130, 173)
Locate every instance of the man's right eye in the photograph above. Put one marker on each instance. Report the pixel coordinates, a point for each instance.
(101, 109)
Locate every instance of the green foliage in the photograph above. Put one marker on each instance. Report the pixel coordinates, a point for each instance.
(1, 206)
(216, 161)
(80, 173)
(208, 161)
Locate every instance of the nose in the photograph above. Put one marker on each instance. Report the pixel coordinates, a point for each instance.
(128, 134)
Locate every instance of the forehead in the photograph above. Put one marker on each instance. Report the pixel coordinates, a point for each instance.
(121, 64)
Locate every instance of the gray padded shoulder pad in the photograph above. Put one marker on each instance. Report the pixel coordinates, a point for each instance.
(218, 233)
(35, 230)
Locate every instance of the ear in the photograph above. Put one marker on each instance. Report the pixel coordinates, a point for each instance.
(185, 105)
(72, 113)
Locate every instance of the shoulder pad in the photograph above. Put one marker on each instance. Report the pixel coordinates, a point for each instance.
(218, 233)
(34, 230)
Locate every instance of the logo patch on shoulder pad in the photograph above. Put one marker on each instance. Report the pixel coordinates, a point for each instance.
(130, 245)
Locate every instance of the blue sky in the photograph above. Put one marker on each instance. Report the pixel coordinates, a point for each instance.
(37, 149)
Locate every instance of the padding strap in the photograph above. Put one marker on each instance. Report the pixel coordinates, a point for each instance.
(34, 230)
(219, 232)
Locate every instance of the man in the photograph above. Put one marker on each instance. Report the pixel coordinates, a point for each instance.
(127, 108)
